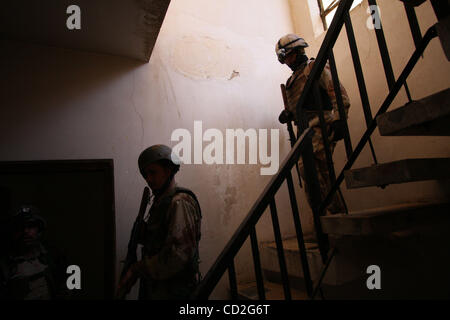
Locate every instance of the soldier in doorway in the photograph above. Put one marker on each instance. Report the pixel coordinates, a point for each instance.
(290, 50)
(169, 268)
(28, 270)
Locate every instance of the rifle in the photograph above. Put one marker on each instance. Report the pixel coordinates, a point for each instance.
(134, 238)
(292, 137)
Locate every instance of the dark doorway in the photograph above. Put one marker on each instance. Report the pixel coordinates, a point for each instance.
(76, 198)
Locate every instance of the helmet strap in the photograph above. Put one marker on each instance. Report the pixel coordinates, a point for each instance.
(300, 59)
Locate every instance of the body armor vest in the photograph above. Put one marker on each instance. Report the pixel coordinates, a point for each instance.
(156, 232)
(294, 89)
(157, 224)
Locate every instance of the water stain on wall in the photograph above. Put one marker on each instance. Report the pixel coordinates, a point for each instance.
(230, 198)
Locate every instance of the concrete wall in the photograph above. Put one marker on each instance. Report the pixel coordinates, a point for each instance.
(214, 61)
(430, 75)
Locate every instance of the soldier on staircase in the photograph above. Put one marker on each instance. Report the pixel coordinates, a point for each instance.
(290, 50)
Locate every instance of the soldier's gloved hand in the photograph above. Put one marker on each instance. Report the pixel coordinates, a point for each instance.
(337, 129)
(285, 116)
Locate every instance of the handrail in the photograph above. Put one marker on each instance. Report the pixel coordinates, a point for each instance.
(226, 258)
(237, 240)
(303, 147)
(325, 51)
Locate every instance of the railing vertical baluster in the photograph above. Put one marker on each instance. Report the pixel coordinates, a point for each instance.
(232, 280)
(340, 103)
(299, 231)
(257, 265)
(359, 77)
(246, 228)
(322, 274)
(312, 183)
(280, 250)
(323, 128)
(389, 72)
(441, 8)
(413, 23)
(381, 40)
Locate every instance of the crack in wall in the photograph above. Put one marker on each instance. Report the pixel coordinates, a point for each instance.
(142, 133)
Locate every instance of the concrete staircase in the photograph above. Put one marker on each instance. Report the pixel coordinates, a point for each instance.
(402, 171)
(392, 237)
(389, 236)
(380, 221)
(409, 242)
(429, 116)
(412, 260)
(426, 117)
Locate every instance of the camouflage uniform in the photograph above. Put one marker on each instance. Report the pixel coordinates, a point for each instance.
(294, 89)
(36, 276)
(33, 272)
(171, 237)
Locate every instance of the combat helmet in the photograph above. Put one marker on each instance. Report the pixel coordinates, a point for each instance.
(287, 44)
(157, 153)
(28, 214)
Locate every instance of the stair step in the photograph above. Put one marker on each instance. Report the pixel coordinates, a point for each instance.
(443, 30)
(414, 3)
(407, 170)
(429, 116)
(384, 220)
(273, 291)
(339, 271)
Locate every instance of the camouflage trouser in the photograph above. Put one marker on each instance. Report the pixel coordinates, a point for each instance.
(320, 160)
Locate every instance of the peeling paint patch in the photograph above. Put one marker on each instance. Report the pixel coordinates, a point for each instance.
(234, 74)
(207, 58)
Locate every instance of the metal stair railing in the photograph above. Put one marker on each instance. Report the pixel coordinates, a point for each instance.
(303, 148)
(393, 85)
(326, 54)
(429, 35)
